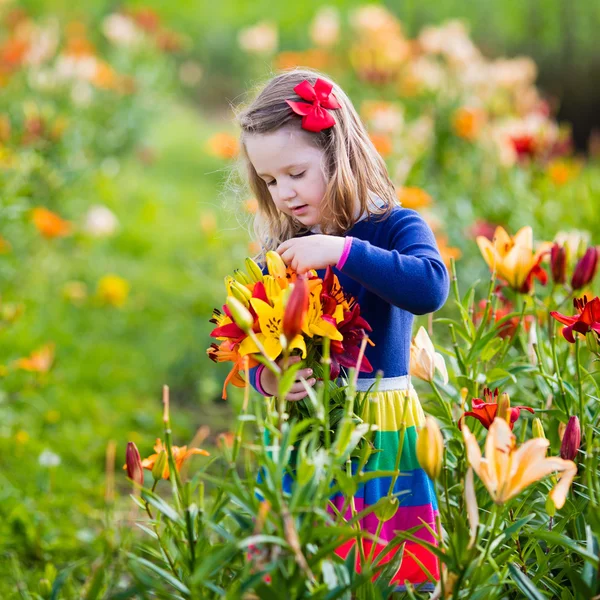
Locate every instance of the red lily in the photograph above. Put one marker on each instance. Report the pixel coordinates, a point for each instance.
(345, 353)
(231, 330)
(587, 320)
(485, 412)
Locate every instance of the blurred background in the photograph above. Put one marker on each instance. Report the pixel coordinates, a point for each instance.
(121, 208)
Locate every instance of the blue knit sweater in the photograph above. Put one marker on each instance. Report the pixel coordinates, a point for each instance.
(395, 271)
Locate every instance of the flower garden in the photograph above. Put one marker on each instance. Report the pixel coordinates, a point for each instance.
(133, 466)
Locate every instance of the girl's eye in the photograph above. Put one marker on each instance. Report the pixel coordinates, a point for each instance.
(270, 183)
(299, 175)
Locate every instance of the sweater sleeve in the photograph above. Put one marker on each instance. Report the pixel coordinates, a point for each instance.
(409, 273)
(254, 373)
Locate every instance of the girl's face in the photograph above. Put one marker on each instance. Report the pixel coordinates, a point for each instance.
(291, 168)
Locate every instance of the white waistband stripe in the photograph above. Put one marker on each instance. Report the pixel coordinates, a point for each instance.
(386, 384)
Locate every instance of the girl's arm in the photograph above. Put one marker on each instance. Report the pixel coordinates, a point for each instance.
(410, 275)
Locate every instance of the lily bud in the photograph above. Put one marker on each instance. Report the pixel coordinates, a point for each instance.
(561, 431)
(295, 310)
(158, 470)
(571, 440)
(591, 339)
(585, 268)
(241, 292)
(430, 448)
(272, 288)
(241, 277)
(275, 265)
(253, 270)
(538, 429)
(504, 407)
(133, 462)
(558, 263)
(241, 315)
(228, 280)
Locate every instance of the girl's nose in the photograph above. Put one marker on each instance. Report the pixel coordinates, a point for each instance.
(286, 192)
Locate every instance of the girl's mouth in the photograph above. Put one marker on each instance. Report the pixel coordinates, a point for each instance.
(297, 210)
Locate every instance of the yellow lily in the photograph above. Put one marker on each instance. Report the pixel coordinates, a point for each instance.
(424, 360)
(513, 258)
(507, 470)
(315, 323)
(270, 319)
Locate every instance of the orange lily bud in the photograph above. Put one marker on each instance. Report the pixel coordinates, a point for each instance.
(571, 440)
(430, 448)
(295, 310)
(133, 463)
(558, 263)
(585, 269)
(241, 315)
(504, 407)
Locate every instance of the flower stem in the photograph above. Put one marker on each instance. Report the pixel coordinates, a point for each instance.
(579, 386)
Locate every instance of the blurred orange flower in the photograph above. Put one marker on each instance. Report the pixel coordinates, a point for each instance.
(39, 361)
(5, 246)
(223, 145)
(314, 58)
(105, 76)
(561, 172)
(113, 290)
(49, 224)
(251, 205)
(467, 122)
(180, 455)
(447, 252)
(413, 197)
(208, 222)
(383, 143)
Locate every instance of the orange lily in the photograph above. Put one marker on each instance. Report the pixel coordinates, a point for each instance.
(180, 454)
(507, 470)
(513, 257)
(229, 351)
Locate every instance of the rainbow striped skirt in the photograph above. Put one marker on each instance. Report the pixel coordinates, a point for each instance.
(397, 412)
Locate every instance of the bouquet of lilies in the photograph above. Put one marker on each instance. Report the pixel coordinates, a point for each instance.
(279, 313)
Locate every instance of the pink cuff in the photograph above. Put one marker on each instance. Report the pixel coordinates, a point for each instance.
(345, 252)
(257, 375)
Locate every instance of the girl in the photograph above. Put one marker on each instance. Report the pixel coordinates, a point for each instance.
(325, 198)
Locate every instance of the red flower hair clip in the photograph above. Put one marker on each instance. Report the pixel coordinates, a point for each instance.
(314, 116)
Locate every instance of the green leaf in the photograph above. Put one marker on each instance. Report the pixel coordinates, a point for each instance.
(553, 537)
(525, 584)
(167, 577)
(165, 509)
(288, 378)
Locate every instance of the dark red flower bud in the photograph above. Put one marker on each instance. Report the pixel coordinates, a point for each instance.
(295, 310)
(133, 462)
(585, 268)
(571, 440)
(558, 263)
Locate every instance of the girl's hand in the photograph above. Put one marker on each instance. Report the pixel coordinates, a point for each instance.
(268, 381)
(311, 252)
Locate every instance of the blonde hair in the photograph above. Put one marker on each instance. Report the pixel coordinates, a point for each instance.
(352, 166)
